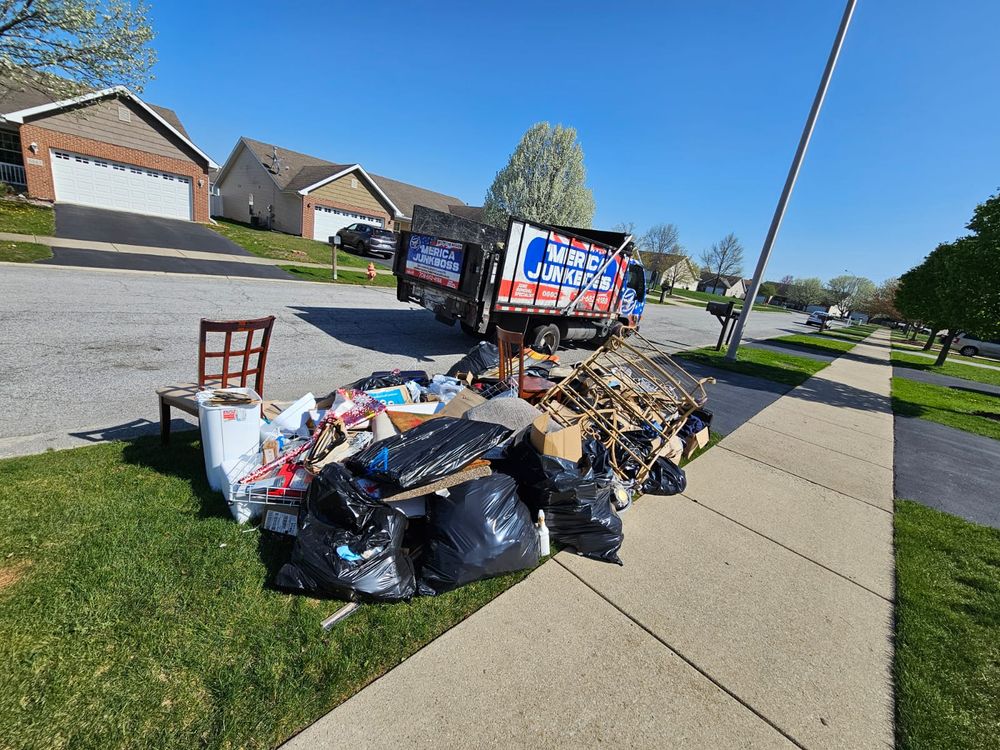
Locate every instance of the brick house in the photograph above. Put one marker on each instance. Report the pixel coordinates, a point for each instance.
(300, 194)
(107, 149)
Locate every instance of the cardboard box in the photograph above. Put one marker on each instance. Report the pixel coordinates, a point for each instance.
(282, 519)
(696, 441)
(393, 395)
(562, 442)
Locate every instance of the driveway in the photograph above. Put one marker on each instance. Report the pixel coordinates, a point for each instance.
(121, 228)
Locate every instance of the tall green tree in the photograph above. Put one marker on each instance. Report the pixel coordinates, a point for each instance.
(65, 47)
(850, 292)
(956, 288)
(805, 292)
(544, 181)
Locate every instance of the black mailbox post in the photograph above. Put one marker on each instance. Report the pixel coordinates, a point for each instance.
(726, 314)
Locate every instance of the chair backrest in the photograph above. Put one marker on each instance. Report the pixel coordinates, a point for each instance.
(237, 364)
(511, 345)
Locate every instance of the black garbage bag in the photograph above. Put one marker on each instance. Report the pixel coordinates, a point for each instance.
(577, 503)
(481, 358)
(480, 530)
(348, 546)
(665, 478)
(428, 452)
(388, 379)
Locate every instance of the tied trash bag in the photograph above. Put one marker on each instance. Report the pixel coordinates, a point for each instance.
(480, 530)
(348, 546)
(388, 380)
(665, 478)
(428, 452)
(577, 502)
(481, 358)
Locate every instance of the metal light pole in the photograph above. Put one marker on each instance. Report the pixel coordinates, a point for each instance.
(793, 174)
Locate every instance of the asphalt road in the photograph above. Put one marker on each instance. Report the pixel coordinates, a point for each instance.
(85, 350)
(97, 224)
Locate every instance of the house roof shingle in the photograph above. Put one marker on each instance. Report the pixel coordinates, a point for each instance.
(728, 281)
(297, 171)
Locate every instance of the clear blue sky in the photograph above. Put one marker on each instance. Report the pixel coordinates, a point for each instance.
(688, 112)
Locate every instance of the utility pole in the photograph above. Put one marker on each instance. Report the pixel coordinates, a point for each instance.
(793, 174)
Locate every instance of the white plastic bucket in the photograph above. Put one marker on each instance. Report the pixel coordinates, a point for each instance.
(227, 432)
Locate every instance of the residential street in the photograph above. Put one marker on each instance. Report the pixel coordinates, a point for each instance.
(85, 350)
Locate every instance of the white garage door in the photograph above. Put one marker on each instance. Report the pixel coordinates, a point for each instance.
(120, 187)
(328, 221)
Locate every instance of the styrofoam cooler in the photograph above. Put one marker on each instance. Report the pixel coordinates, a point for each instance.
(227, 432)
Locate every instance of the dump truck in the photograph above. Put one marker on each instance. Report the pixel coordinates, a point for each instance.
(554, 283)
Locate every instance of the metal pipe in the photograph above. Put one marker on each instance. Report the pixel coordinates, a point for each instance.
(793, 174)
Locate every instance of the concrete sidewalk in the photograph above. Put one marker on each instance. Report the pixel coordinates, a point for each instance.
(755, 610)
(168, 252)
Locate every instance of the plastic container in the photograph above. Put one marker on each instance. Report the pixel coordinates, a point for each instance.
(293, 418)
(228, 432)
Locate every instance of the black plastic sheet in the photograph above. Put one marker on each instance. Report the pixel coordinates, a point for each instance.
(386, 379)
(577, 502)
(428, 452)
(480, 530)
(481, 358)
(348, 546)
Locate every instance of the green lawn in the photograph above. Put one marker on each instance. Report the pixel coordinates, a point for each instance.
(135, 613)
(947, 406)
(789, 369)
(954, 369)
(343, 277)
(819, 343)
(23, 252)
(24, 218)
(947, 631)
(266, 244)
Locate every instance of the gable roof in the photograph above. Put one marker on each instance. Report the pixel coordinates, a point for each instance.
(727, 281)
(17, 103)
(302, 173)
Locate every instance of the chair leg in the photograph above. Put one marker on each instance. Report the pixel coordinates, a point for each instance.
(164, 422)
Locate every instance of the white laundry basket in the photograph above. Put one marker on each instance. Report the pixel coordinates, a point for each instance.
(228, 431)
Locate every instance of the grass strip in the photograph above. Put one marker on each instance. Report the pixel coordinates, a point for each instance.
(978, 413)
(947, 631)
(267, 244)
(819, 343)
(954, 369)
(790, 369)
(24, 218)
(307, 273)
(135, 613)
(23, 252)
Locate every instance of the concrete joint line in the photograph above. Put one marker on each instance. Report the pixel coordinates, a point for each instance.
(785, 547)
(827, 421)
(688, 661)
(807, 479)
(818, 445)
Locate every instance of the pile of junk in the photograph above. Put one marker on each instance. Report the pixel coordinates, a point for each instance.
(403, 484)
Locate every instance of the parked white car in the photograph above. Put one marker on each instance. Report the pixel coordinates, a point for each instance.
(970, 346)
(819, 319)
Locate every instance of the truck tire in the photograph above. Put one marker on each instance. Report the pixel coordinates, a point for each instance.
(546, 339)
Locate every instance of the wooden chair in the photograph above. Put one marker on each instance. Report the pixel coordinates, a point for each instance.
(235, 370)
(511, 346)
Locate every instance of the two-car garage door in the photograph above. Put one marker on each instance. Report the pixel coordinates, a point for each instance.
(328, 221)
(120, 187)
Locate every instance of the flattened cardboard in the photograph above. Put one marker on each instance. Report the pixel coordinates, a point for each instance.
(565, 442)
(461, 403)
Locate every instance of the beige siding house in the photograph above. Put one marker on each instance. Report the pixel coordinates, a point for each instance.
(300, 194)
(106, 149)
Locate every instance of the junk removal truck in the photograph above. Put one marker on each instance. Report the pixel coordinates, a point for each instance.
(554, 283)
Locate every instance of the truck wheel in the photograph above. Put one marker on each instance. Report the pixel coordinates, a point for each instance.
(546, 339)
(469, 330)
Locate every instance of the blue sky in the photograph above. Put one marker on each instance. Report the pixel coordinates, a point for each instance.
(688, 112)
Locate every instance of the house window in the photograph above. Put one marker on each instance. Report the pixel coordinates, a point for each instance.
(354, 182)
(10, 148)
